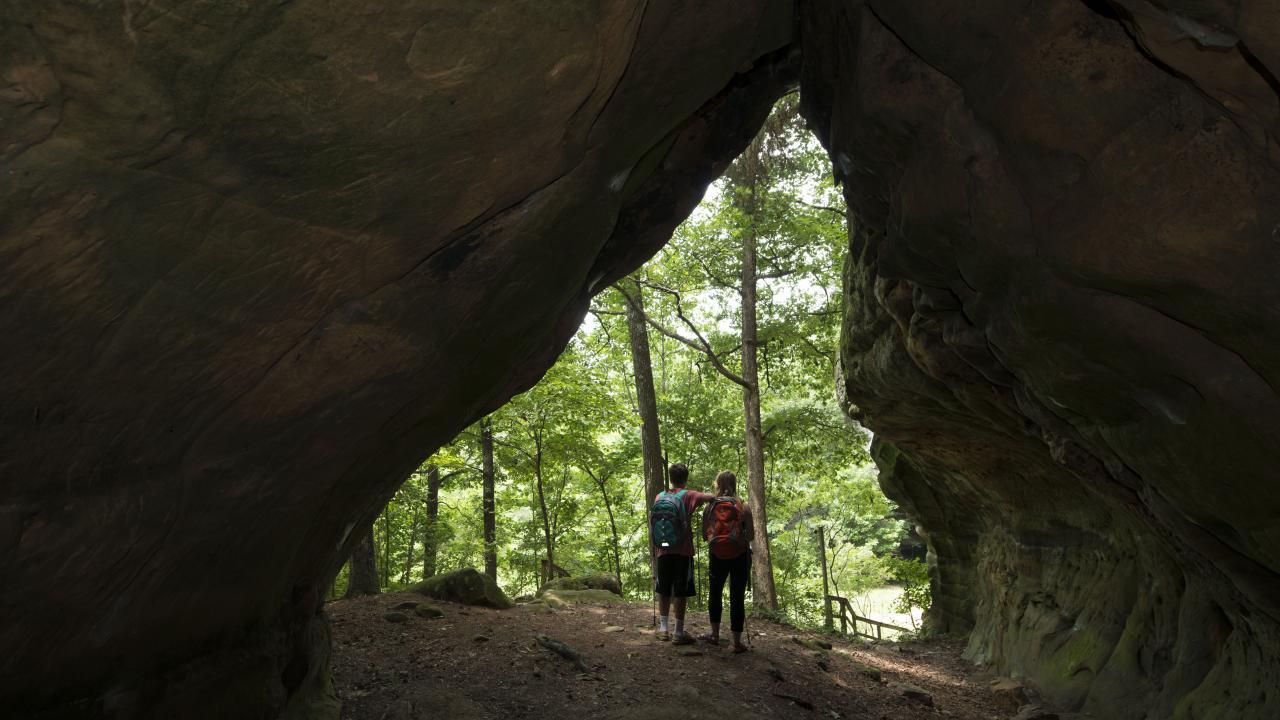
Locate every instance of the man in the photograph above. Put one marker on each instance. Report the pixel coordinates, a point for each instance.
(672, 535)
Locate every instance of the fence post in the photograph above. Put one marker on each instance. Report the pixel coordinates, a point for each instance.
(826, 594)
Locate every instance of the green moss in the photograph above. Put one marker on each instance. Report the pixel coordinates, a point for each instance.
(427, 610)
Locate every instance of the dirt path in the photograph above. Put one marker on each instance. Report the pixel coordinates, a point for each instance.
(481, 663)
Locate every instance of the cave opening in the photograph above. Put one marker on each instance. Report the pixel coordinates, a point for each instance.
(259, 257)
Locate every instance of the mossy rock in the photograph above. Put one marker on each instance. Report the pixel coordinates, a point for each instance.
(818, 646)
(539, 606)
(395, 617)
(467, 586)
(583, 582)
(868, 671)
(427, 610)
(560, 598)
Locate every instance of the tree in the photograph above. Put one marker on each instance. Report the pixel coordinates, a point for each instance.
(646, 399)
(430, 536)
(490, 519)
(363, 576)
(750, 176)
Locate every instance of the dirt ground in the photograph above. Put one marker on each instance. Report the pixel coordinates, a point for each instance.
(481, 663)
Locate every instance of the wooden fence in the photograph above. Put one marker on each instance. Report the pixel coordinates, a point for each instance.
(850, 619)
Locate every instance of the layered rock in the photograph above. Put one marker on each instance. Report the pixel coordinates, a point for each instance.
(261, 257)
(1061, 313)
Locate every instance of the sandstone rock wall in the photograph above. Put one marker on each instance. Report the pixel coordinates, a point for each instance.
(1061, 323)
(259, 258)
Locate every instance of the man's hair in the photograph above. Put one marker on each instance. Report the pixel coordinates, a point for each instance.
(679, 474)
(726, 484)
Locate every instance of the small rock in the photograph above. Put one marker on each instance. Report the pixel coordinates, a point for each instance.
(615, 629)
(802, 702)
(912, 692)
(868, 671)
(427, 610)
(1009, 692)
(395, 617)
(481, 638)
(688, 651)
(1034, 712)
(775, 673)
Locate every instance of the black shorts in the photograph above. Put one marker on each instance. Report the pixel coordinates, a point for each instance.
(675, 576)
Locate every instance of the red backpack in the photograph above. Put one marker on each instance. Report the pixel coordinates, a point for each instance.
(722, 528)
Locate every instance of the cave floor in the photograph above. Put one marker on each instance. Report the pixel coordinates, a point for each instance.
(483, 663)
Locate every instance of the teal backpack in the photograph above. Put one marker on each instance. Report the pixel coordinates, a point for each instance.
(668, 521)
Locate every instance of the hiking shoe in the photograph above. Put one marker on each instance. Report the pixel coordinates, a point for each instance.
(683, 639)
(739, 649)
(660, 635)
(710, 639)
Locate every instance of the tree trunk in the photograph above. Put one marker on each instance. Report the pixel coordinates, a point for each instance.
(549, 572)
(647, 404)
(413, 537)
(490, 520)
(762, 589)
(646, 399)
(363, 577)
(429, 543)
(613, 527)
(386, 546)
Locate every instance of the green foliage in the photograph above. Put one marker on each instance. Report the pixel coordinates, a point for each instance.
(914, 576)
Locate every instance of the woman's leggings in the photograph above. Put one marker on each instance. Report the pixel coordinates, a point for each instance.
(737, 571)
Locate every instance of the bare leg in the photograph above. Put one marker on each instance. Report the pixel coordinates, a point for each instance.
(679, 608)
(664, 607)
(715, 632)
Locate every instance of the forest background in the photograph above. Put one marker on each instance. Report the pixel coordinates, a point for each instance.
(737, 320)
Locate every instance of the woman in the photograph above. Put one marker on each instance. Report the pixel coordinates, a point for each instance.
(728, 530)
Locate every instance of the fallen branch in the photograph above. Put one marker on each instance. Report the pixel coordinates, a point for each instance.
(562, 650)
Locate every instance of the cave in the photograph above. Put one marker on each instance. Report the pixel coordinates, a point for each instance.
(261, 258)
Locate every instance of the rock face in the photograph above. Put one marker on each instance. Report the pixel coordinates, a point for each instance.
(1061, 322)
(259, 258)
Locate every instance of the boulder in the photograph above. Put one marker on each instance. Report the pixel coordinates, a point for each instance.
(583, 582)
(395, 617)
(467, 586)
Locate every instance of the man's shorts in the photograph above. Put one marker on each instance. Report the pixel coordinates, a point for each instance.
(675, 576)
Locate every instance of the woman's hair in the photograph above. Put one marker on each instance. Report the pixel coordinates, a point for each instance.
(726, 484)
